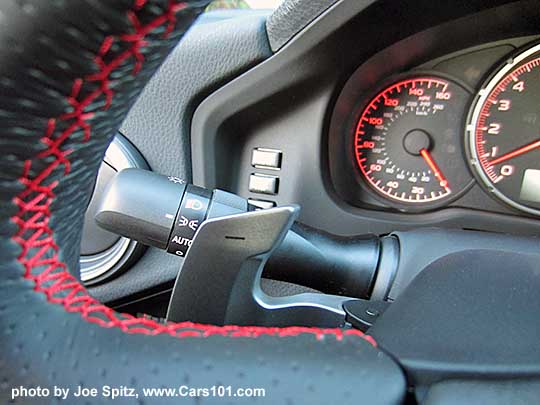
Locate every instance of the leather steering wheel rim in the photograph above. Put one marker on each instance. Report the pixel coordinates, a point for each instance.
(70, 72)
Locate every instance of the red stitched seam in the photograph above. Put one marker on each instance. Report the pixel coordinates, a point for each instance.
(39, 252)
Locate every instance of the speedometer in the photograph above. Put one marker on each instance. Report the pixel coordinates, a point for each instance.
(407, 141)
(504, 132)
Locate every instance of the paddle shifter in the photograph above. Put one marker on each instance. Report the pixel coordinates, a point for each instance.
(227, 245)
(165, 212)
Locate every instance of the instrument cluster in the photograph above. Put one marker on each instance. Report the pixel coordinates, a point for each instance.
(422, 139)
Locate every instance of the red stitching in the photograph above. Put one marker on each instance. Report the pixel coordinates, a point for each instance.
(39, 252)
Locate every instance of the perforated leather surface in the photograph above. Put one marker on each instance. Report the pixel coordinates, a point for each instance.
(70, 72)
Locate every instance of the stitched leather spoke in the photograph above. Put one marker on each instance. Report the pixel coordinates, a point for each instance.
(87, 96)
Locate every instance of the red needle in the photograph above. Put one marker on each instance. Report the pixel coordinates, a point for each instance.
(517, 152)
(434, 168)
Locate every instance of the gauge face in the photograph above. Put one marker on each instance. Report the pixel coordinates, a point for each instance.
(504, 132)
(407, 141)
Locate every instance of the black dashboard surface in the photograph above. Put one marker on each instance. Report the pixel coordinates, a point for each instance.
(299, 101)
(290, 101)
(467, 69)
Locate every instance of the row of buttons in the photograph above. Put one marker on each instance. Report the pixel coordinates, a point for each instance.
(264, 158)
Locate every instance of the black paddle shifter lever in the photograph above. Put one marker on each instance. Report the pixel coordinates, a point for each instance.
(165, 212)
(226, 246)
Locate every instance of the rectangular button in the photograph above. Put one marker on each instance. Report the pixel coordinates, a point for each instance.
(262, 204)
(266, 158)
(263, 184)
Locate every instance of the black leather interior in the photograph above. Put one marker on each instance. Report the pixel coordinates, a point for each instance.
(70, 72)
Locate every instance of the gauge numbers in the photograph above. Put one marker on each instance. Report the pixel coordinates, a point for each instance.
(407, 141)
(504, 132)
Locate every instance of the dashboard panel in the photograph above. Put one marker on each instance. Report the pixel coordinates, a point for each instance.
(295, 101)
(442, 134)
(305, 104)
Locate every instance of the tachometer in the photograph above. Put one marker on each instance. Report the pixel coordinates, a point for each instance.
(407, 141)
(504, 132)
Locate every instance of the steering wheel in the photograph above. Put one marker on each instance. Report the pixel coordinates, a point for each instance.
(70, 72)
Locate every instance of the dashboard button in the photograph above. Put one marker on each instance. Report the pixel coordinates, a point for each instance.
(263, 184)
(266, 158)
(261, 204)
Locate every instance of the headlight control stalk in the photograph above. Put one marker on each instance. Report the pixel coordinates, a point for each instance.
(166, 212)
(227, 245)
